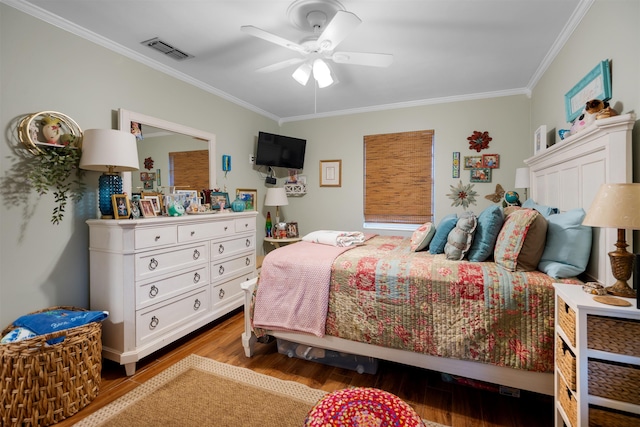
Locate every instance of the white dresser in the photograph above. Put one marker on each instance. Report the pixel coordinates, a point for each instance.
(162, 278)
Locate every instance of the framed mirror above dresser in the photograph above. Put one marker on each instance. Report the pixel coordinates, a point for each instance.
(186, 139)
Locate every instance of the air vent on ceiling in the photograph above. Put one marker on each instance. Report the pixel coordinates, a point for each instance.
(167, 49)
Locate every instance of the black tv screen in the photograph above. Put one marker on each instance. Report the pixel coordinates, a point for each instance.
(280, 151)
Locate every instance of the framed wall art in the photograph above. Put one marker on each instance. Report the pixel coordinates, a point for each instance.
(330, 173)
(595, 85)
(455, 165)
(491, 161)
(121, 206)
(540, 140)
(472, 162)
(480, 175)
(249, 197)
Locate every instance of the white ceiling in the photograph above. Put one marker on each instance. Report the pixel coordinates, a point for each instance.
(443, 49)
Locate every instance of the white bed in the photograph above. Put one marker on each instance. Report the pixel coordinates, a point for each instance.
(566, 175)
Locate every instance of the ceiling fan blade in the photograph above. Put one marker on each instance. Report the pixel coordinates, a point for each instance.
(361, 58)
(342, 24)
(265, 35)
(280, 65)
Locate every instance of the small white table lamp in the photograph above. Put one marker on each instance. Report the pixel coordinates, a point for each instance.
(109, 151)
(276, 196)
(523, 180)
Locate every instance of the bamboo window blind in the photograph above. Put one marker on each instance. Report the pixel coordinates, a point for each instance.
(398, 184)
(189, 170)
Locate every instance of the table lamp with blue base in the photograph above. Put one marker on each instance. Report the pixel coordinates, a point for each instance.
(109, 151)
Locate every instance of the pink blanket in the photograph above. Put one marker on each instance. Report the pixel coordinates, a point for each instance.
(293, 291)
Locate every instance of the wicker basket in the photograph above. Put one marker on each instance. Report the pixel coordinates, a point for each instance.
(567, 320)
(604, 417)
(567, 401)
(44, 384)
(566, 362)
(615, 335)
(614, 381)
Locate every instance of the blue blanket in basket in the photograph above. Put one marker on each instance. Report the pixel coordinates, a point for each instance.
(57, 320)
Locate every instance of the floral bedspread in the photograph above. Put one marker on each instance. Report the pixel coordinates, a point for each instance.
(382, 293)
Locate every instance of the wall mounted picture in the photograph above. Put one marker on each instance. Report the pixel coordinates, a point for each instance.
(491, 161)
(249, 197)
(330, 173)
(480, 175)
(455, 165)
(472, 162)
(121, 206)
(595, 85)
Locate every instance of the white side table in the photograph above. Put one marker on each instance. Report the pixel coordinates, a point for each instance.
(284, 241)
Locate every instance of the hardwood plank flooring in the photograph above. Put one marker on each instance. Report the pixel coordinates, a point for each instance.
(434, 399)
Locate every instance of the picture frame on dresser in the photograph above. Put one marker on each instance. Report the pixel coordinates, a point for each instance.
(121, 206)
(146, 208)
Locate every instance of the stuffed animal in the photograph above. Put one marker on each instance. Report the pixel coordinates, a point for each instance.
(594, 109)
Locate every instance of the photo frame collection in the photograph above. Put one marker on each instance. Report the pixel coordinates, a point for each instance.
(481, 166)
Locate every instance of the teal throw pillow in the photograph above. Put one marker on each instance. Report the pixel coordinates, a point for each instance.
(568, 246)
(442, 232)
(490, 222)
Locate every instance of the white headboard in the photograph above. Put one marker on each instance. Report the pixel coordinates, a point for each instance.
(569, 174)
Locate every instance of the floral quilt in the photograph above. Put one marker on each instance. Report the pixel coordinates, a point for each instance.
(382, 293)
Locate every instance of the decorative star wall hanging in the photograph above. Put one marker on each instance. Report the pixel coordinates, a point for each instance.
(462, 195)
(479, 140)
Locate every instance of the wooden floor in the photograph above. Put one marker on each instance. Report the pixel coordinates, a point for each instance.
(434, 399)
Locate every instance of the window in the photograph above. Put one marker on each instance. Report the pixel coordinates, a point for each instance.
(398, 184)
(189, 170)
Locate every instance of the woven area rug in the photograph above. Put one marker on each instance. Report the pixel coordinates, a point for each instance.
(198, 391)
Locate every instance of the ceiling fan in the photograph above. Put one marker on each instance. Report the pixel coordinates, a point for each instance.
(316, 49)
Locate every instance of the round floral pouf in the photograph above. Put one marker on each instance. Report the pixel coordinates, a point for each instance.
(362, 407)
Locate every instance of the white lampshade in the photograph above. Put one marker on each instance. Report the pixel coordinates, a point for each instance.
(522, 178)
(322, 73)
(108, 150)
(276, 196)
(615, 206)
(302, 73)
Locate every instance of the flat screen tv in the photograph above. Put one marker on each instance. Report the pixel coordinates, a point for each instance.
(280, 151)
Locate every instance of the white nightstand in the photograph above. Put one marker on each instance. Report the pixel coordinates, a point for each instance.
(284, 241)
(597, 370)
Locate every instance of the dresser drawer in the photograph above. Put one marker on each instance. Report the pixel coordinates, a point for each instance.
(567, 320)
(152, 264)
(160, 319)
(153, 292)
(226, 248)
(231, 267)
(205, 230)
(245, 224)
(229, 290)
(155, 237)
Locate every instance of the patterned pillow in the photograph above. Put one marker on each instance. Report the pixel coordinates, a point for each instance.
(422, 236)
(442, 231)
(484, 240)
(521, 240)
(460, 238)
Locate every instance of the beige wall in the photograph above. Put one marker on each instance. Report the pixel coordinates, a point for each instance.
(45, 68)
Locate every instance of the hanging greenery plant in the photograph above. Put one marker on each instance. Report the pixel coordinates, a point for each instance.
(55, 140)
(58, 170)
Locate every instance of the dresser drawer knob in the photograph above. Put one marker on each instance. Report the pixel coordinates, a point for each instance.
(193, 233)
(196, 277)
(247, 261)
(196, 254)
(221, 270)
(220, 249)
(226, 228)
(246, 225)
(157, 238)
(247, 243)
(196, 304)
(153, 291)
(221, 294)
(153, 264)
(154, 322)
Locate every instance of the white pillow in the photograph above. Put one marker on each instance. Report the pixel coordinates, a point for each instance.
(422, 236)
(460, 238)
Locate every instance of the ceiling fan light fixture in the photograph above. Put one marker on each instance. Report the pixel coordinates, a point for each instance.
(322, 73)
(302, 74)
